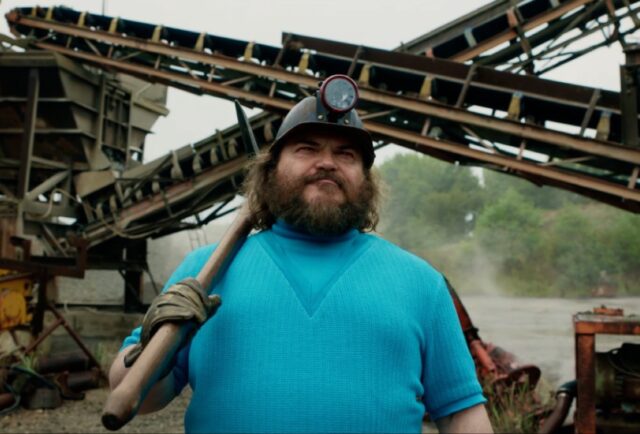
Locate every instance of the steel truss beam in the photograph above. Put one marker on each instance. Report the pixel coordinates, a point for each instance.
(153, 200)
(520, 33)
(405, 99)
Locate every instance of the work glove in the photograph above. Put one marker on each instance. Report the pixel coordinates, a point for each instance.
(186, 301)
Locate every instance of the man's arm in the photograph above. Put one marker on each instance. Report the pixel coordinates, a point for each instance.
(470, 420)
(158, 397)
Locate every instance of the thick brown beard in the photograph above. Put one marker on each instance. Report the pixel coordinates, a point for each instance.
(286, 201)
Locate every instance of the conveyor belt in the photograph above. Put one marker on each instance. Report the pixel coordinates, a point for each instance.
(534, 35)
(470, 114)
(152, 200)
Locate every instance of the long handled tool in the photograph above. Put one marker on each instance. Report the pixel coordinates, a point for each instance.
(124, 401)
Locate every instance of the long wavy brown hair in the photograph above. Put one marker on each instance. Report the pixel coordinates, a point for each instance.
(259, 175)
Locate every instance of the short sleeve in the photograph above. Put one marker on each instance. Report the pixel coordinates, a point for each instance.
(449, 376)
(189, 267)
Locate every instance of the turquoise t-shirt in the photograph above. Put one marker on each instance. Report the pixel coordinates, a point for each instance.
(317, 334)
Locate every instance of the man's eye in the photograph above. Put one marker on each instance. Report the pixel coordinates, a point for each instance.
(348, 153)
(305, 149)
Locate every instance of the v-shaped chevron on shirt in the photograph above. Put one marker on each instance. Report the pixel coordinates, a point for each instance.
(312, 265)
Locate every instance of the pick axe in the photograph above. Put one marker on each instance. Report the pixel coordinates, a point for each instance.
(124, 401)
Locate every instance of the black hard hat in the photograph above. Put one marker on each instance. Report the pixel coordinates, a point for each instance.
(319, 112)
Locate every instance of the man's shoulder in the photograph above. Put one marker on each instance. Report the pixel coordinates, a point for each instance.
(386, 247)
(200, 255)
(399, 257)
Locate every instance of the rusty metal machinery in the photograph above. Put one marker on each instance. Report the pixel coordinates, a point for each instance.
(608, 384)
(153, 200)
(60, 120)
(456, 112)
(529, 35)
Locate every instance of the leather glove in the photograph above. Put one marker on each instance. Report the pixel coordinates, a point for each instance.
(186, 301)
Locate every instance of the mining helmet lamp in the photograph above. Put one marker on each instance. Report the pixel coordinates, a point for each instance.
(331, 109)
(339, 94)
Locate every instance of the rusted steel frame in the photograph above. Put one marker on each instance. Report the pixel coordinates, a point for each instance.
(198, 83)
(456, 28)
(562, 140)
(15, 276)
(512, 34)
(605, 149)
(601, 324)
(487, 77)
(552, 31)
(28, 133)
(136, 178)
(580, 180)
(174, 193)
(585, 418)
(41, 265)
(484, 77)
(172, 223)
(61, 321)
(484, 15)
(517, 129)
(42, 336)
(604, 187)
(47, 185)
(147, 46)
(549, 36)
(630, 96)
(586, 326)
(634, 177)
(44, 131)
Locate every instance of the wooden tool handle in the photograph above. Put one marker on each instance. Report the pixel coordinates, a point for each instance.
(124, 401)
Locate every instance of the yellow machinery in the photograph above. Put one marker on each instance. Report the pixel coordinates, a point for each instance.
(15, 293)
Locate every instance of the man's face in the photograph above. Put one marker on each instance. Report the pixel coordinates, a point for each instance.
(331, 170)
(319, 184)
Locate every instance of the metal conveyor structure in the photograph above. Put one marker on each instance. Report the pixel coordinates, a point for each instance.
(464, 113)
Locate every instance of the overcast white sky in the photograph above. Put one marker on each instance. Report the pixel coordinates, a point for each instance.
(383, 24)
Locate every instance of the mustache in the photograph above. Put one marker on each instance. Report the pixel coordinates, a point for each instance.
(324, 174)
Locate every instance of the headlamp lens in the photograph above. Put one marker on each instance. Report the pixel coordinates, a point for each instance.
(339, 93)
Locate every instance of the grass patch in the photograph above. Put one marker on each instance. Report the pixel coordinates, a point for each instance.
(516, 407)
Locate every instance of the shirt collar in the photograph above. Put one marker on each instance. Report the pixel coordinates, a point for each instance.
(285, 230)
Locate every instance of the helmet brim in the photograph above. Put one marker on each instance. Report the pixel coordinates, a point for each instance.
(357, 136)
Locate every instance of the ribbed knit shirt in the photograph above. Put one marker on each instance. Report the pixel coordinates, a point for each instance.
(324, 334)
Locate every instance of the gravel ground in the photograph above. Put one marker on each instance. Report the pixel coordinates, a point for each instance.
(84, 417)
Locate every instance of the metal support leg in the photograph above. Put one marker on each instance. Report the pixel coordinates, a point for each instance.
(585, 419)
(136, 253)
(29, 132)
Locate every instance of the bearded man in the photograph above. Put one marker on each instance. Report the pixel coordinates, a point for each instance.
(324, 327)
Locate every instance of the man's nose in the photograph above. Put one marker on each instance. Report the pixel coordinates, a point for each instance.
(326, 159)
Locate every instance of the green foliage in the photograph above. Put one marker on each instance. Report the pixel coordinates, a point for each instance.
(545, 198)
(426, 190)
(498, 232)
(514, 407)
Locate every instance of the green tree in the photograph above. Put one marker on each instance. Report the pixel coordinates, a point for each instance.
(509, 227)
(509, 230)
(542, 197)
(429, 203)
(574, 253)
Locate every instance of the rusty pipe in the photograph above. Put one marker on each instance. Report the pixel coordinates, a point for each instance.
(564, 398)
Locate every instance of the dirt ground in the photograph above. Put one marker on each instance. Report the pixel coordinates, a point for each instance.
(84, 417)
